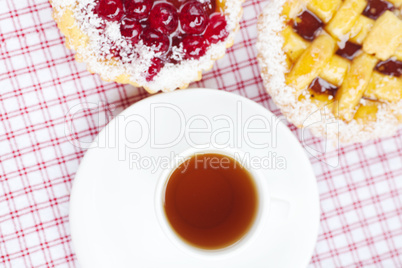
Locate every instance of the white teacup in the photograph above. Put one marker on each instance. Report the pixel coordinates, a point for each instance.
(245, 241)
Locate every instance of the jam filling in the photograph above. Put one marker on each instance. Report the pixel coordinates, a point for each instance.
(375, 8)
(350, 50)
(320, 85)
(166, 26)
(307, 24)
(390, 67)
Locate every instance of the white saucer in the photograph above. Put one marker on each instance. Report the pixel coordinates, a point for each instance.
(114, 215)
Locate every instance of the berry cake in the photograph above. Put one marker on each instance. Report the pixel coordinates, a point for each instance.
(334, 66)
(159, 45)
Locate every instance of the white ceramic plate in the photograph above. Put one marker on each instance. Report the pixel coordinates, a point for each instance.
(115, 216)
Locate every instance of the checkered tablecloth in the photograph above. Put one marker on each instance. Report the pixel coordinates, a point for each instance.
(360, 185)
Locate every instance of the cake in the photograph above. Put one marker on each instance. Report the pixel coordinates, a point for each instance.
(334, 66)
(159, 45)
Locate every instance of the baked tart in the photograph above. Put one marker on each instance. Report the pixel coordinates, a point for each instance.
(334, 66)
(159, 45)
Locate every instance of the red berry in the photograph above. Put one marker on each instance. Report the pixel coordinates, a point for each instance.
(209, 6)
(164, 18)
(145, 24)
(154, 69)
(138, 9)
(177, 3)
(194, 47)
(216, 30)
(111, 10)
(154, 38)
(131, 29)
(193, 18)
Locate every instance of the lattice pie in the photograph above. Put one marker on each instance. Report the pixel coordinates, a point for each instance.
(335, 61)
(160, 45)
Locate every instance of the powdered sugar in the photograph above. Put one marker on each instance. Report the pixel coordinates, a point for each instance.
(113, 31)
(304, 113)
(96, 53)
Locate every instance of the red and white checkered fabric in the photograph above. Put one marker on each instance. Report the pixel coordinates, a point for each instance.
(361, 198)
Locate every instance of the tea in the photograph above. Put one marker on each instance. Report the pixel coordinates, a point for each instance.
(211, 201)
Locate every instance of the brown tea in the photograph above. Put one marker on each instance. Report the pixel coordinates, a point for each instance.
(211, 201)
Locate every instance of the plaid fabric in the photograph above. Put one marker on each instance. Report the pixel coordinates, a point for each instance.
(360, 185)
